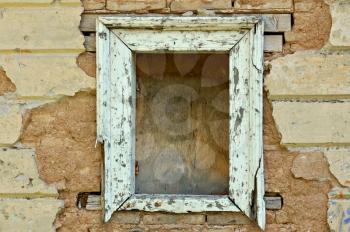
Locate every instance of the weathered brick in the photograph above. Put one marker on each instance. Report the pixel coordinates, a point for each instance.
(45, 75)
(28, 215)
(303, 162)
(286, 5)
(160, 218)
(339, 165)
(311, 27)
(19, 175)
(313, 122)
(94, 4)
(133, 5)
(340, 33)
(126, 217)
(41, 28)
(309, 73)
(227, 218)
(185, 5)
(10, 123)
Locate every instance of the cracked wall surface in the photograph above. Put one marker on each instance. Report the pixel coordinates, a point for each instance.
(39, 43)
(48, 154)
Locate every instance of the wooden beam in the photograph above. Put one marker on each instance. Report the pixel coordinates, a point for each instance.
(273, 22)
(93, 202)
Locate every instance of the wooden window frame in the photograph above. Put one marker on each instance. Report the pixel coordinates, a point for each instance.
(118, 39)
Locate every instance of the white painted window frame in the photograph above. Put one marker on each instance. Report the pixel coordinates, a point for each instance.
(118, 39)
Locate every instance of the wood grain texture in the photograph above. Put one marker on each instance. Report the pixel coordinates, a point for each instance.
(272, 22)
(272, 43)
(240, 175)
(182, 124)
(142, 40)
(245, 149)
(120, 149)
(256, 124)
(94, 203)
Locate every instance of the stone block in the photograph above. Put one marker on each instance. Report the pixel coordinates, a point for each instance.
(10, 123)
(132, 5)
(311, 123)
(286, 5)
(19, 175)
(186, 5)
(28, 215)
(41, 28)
(339, 165)
(39, 75)
(309, 74)
(340, 32)
(303, 162)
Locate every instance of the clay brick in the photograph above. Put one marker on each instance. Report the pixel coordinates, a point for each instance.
(41, 29)
(227, 219)
(94, 4)
(286, 5)
(126, 217)
(5, 84)
(185, 5)
(311, 28)
(308, 74)
(339, 165)
(159, 218)
(129, 5)
(10, 123)
(340, 33)
(303, 162)
(277, 171)
(28, 215)
(45, 75)
(328, 122)
(87, 62)
(19, 175)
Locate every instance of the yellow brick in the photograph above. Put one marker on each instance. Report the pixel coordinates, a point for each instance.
(185, 5)
(132, 5)
(312, 122)
(19, 175)
(10, 123)
(45, 75)
(41, 28)
(28, 215)
(264, 4)
(308, 74)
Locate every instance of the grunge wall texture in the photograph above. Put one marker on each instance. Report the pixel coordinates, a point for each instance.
(48, 156)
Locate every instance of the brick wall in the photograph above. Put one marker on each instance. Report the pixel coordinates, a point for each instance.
(48, 156)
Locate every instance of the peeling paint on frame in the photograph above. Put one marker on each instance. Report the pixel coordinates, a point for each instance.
(116, 107)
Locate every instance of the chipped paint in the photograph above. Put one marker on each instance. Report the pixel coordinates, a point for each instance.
(116, 90)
